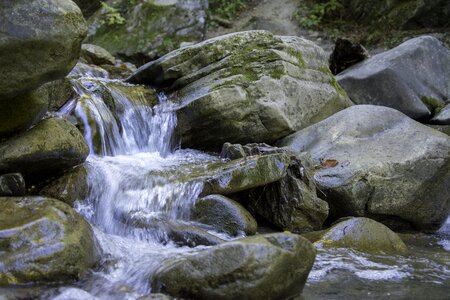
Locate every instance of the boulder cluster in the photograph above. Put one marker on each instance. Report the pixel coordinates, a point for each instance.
(344, 160)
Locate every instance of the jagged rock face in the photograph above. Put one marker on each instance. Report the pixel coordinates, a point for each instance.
(245, 87)
(43, 240)
(141, 30)
(40, 42)
(412, 78)
(272, 266)
(385, 165)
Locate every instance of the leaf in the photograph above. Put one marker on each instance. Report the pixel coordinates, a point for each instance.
(329, 163)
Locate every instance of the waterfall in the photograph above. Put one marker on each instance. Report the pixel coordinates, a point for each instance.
(114, 124)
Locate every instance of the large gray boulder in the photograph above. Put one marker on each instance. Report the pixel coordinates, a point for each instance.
(142, 30)
(409, 78)
(375, 161)
(43, 240)
(50, 147)
(40, 41)
(273, 266)
(245, 87)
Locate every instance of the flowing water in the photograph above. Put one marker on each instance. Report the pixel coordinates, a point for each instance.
(138, 181)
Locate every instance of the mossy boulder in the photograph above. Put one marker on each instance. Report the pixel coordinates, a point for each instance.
(224, 215)
(43, 240)
(412, 78)
(272, 266)
(375, 161)
(364, 235)
(21, 112)
(141, 30)
(40, 42)
(50, 147)
(245, 87)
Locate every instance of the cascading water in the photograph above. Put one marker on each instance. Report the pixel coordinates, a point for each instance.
(134, 182)
(138, 184)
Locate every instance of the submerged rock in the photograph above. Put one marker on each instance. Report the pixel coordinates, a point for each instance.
(43, 240)
(40, 42)
(409, 78)
(141, 30)
(272, 266)
(375, 161)
(363, 234)
(224, 215)
(245, 87)
(50, 147)
(22, 112)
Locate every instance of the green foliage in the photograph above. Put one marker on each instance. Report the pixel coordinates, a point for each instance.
(319, 12)
(434, 105)
(227, 9)
(111, 15)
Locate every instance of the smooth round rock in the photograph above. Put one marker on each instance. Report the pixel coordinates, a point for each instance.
(272, 266)
(224, 215)
(363, 234)
(43, 240)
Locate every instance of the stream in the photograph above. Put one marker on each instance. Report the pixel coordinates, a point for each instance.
(139, 179)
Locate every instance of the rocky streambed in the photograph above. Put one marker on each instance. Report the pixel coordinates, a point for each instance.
(235, 168)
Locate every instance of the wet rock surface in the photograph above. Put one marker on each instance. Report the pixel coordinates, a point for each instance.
(43, 240)
(363, 234)
(50, 147)
(360, 177)
(247, 87)
(224, 215)
(265, 266)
